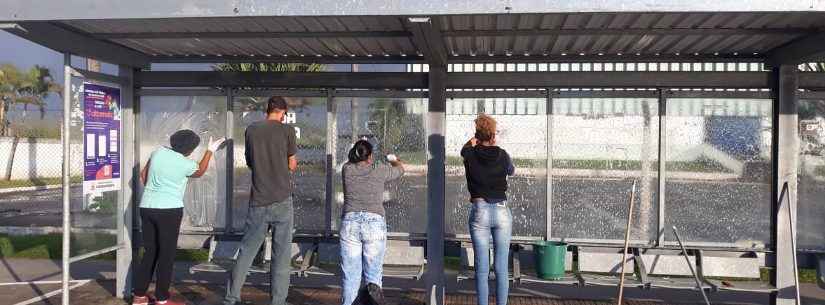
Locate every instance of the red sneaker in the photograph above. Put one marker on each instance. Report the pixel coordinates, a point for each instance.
(170, 301)
(142, 300)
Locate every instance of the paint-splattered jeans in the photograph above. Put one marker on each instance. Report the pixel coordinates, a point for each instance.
(363, 243)
(494, 219)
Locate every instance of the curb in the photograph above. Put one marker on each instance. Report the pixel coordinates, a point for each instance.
(30, 188)
(21, 231)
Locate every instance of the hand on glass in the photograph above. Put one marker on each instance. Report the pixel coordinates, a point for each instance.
(473, 142)
(215, 144)
(392, 158)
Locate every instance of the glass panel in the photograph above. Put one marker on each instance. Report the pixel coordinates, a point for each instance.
(524, 138)
(93, 215)
(309, 116)
(811, 208)
(718, 171)
(162, 116)
(393, 125)
(600, 147)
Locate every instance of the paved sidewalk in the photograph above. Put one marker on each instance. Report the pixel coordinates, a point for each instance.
(207, 289)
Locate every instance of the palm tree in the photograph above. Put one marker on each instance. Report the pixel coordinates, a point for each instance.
(252, 103)
(18, 88)
(815, 66)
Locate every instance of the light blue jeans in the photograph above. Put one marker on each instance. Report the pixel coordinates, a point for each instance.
(494, 219)
(363, 244)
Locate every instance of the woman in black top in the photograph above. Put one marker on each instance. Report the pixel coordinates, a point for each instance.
(487, 167)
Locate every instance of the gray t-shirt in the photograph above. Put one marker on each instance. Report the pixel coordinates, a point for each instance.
(364, 186)
(268, 147)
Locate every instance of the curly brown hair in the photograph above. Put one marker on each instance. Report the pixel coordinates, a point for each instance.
(485, 127)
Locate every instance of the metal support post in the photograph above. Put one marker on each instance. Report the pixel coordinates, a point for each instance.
(785, 155)
(660, 240)
(129, 169)
(332, 141)
(436, 179)
(229, 224)
(548, 213)
(67, 110)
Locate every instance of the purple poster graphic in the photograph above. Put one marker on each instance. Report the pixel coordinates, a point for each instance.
(101, 138)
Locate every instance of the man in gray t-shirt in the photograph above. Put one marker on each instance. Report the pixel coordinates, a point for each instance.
(271, 155)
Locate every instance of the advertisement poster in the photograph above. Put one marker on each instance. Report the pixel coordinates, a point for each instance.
(101, 140)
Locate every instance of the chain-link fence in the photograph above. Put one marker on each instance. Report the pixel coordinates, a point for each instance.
(30, 150)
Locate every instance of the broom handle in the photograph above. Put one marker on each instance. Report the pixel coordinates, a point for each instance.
(626, 240)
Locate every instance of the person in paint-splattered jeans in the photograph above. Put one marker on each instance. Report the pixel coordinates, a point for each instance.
(363, 229)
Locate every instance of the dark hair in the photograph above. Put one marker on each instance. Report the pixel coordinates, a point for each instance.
(184, 141)
(361, 151)
(276, 103)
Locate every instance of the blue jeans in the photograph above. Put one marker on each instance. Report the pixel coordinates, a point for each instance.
(278, 218)
(363, 243)
(491, 219)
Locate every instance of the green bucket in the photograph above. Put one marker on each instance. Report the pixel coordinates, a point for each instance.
(549, 256)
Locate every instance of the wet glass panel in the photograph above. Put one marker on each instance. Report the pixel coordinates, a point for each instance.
(524, 138)
(309, 116)
(393, 126)
(93, 215)
(718, 171)
(811, 184)
(162, 116)
(601, 146)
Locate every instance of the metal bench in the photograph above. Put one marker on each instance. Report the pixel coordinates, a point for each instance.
(223, 251)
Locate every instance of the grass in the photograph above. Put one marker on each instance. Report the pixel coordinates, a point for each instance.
(50, 246)
(4, 184)
(805, 275)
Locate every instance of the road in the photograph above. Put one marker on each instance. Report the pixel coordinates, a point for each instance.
(594, 208)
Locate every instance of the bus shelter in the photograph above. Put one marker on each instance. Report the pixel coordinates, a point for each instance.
(707, 106)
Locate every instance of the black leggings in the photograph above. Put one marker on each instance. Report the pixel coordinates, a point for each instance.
(161, 228)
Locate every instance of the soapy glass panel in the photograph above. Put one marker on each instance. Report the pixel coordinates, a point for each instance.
(162, 116)
(601, 146)
(522, 132)
(309, 117)
(811, 180)
(393, 126)
(718, 171)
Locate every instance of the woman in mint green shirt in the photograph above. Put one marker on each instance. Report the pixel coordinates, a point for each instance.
(161, 210)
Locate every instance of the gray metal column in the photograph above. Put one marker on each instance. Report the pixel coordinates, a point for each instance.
(548, 216)
(129, 173)
(67, 109)
(332, 141)
(660, 240)
(229, 225)
(785, 153)
(436, 179)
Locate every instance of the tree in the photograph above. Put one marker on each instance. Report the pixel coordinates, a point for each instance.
(27, 89)
(251, 102)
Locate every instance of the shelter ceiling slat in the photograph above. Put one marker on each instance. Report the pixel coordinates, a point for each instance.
(705, 45)
(352, 23)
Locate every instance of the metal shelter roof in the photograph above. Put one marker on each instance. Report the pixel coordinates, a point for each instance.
(618, 36)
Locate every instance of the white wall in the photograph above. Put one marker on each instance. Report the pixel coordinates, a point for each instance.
(38, 158)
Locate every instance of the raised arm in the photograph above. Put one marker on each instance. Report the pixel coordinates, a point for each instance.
(203, 165)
